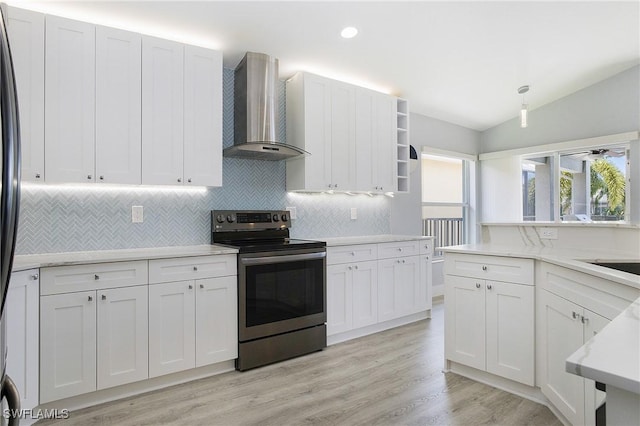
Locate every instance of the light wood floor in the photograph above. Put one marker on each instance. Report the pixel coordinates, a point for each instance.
(389, 378)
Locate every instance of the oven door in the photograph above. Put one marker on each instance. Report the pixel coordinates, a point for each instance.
(280, 291)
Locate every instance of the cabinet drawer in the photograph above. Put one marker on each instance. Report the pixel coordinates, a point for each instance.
(604, 297)
(426, 246)
(507, 269)
(66, 279)
(398, 249)
(191, 268)
(355, 253)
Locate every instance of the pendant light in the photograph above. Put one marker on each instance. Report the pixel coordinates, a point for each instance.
(524, 109)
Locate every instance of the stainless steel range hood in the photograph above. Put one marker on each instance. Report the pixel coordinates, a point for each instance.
(256, 114)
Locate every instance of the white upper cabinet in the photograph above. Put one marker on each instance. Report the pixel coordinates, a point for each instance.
(69, 100)
(162, 111)
(202, 116)
(309, 127)
(375, 141)
(26, 39)
(349, 131)
(118, 104)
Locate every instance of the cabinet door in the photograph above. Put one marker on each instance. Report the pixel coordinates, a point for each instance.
(339, 297)
(202, 116)
(22, 315)
(593, 398)
(118, 104)
(366, 173)
(216, 320)
(364, 293)
(510, 331)
(69, 100)
(162, 111)
(68, 347)
(122, 328)
(465, 321)
(384, 142)
(562, 335)
(317, 133)
(425, 286)
(171, 327)
(343, 173)
(26, 37)
(398, 284)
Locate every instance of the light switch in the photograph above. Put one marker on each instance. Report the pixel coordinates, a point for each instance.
(354, 213)
(293, 214)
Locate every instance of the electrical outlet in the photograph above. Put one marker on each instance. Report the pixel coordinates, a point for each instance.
(549, 233)
(293, 214)
(354, 213)
(137, 214)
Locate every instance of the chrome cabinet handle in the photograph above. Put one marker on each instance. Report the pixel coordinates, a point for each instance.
(201, 285)
(179, 180)
(489, 286)
(35, 277)
(350, 267)
(575, 315)
(190, 287)
(355, 267)
(37, 175)
(101, 178)
(195, 268)
(104, 297)
(477, 285)
(96, 277)
(189, 180)
(484, 268)
(584, 319)
(89, 177)
(399, 248)
(90, 298)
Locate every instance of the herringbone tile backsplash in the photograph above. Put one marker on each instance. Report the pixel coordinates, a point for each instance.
(59, 219)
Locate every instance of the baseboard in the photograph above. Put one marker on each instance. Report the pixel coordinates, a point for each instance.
(376, 328)
(136, 388)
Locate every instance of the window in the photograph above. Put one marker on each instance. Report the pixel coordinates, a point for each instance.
(445, 199)
(579, 185)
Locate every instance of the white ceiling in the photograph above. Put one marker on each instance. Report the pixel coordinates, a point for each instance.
(460, 62)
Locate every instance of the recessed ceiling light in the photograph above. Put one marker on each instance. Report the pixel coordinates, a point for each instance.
(349, 32)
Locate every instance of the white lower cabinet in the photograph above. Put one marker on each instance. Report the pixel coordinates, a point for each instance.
(171, 327)
(489, 325)
(122, 324)
(68, 347)
(194, 322)
(399, 279)
(22, 315)
(370, 284)
(94, 340)
(566, 327)
(216, 320)
(352, 296)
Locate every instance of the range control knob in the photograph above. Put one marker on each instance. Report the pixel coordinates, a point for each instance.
(231, 218)
(284, 217)
(276, 218)
(220, 218)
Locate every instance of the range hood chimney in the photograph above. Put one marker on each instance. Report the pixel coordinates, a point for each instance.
(256, 114)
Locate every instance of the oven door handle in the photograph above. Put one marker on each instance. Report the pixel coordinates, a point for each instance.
(282, 259)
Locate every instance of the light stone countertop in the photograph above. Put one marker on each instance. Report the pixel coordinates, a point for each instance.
(371, 239)
(613, 355)
(30, 261)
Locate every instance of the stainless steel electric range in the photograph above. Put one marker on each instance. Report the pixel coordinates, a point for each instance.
(281, 286)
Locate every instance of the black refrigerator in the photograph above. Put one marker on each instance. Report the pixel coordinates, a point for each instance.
(9, 206)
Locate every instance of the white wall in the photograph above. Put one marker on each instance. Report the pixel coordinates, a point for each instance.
(609, 107)
(500, 190)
